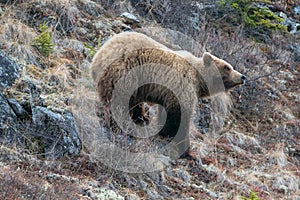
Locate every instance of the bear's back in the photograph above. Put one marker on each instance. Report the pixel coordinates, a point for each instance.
(118, 46)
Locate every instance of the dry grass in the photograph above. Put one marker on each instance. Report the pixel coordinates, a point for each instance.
(16, 40)
(23, 177)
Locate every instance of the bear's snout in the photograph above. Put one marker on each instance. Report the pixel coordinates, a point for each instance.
(237, 78)
(244, 78)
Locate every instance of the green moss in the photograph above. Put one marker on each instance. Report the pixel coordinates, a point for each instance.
(43, 42)
(248, 13)
(252, 196)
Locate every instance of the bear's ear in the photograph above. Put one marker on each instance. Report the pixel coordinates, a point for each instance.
(207, 59)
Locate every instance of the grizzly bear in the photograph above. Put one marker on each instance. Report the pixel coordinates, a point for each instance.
(131, 69)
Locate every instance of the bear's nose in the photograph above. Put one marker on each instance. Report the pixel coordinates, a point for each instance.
(243, 77)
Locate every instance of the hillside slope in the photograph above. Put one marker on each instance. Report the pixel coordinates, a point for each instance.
(41, 151)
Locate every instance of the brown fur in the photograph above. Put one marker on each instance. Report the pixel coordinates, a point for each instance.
(185, 78)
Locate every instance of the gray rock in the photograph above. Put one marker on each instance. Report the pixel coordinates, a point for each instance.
(90, 194)
(203, 116)
(59, 131)
(131, 197)
(130, 19)
(8, 125)
(167, 190)
(179, 173)
(18, 109)
(203, 189)
(185, 176)
(143, 184)
(291, 24)
(9, 71)
(153, 195)
(92, 8)
(35, 95)
(107, 194)
(297, 10)
(296, 52)
(11, 1)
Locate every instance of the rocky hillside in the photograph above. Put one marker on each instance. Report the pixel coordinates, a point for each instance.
(49, 116)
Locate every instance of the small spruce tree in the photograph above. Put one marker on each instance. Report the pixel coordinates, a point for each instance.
(43, 42)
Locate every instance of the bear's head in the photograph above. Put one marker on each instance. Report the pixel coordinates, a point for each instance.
(231, 78)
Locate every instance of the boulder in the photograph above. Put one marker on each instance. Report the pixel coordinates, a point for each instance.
(9, 71)
(12, 1)
(130, 19)
(8, 125)
(292, 25)
(20, 112)
(59, 132)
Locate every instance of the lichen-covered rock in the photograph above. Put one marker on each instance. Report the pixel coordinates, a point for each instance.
(291, 24)
(17, 108)
(35, 98)
(108, 194)
(7, 121)
(59, 131)
(11, 1)
(9, 71)
(131, 197)
(130, 19)
(90, 7)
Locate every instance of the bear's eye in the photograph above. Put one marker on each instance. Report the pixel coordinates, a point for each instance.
(227, 68)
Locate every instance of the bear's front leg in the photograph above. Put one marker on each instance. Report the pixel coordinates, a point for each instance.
(175, 125)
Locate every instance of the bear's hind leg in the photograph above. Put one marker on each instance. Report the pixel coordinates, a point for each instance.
(138, 114)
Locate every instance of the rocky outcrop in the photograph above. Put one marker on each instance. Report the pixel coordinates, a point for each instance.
(9, 71)
(292, 25)
(57, 132)
(8, 124)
